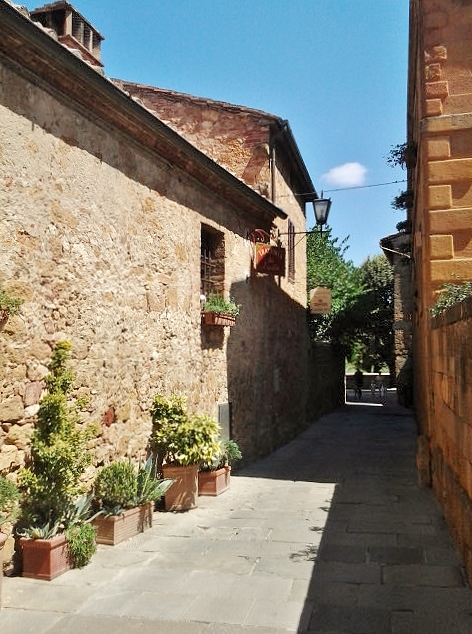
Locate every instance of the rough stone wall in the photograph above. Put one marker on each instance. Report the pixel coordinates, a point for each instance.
(450, 440)
(326, 390)
(238, 139)
(229, 135)
(440, 124)
(102, 242)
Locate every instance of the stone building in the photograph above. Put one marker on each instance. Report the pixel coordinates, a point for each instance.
(439, 132)
(109, 206)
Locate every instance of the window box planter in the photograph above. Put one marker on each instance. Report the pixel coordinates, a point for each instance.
(114, 529)
(218, 319)
(45, 558)
(214, 482)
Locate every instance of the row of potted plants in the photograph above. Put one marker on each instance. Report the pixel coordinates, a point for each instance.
(188, 449)
(60, 523)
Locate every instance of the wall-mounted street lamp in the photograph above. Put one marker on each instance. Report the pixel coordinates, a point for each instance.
(321, 207)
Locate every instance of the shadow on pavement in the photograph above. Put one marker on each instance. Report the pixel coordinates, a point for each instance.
(383, 559)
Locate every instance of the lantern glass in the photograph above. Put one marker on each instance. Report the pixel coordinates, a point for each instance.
(321, 207)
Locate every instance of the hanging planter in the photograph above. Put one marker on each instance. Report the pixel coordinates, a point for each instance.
(217, 311)
(218, 319)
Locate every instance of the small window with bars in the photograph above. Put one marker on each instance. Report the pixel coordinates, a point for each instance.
(212, 261)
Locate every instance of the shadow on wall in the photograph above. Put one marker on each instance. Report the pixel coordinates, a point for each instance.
(274, 374)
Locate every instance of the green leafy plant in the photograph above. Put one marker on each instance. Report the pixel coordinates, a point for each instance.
(9, 305)
(149, 487)
(116, 487)
(81, 543)
(52, 482)
(449, 294)
(120, 486)
(9, 501)
(179, 438)
(215, 303)
(402, 154)
(226, 454)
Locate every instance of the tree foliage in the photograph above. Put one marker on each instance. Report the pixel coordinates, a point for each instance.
(375, 336)
(328, 267)
(361, 318)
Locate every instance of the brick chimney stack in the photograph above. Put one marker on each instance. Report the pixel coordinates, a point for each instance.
(72, 30)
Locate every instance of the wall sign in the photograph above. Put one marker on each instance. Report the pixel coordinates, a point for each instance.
(320, 300)
(269, 259)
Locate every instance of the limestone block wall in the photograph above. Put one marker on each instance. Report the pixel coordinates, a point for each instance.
(101, 240)
(442, 126)
(239, 139)
(450, 440)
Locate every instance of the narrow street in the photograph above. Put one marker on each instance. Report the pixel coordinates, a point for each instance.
(330, 534)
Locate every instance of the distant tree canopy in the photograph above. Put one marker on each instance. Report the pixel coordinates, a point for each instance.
(361, 318)
(328, 267)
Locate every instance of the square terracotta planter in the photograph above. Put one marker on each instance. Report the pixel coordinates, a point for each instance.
(214, 482)
(218, 319)
(117, 528)
(45, 558)
(183, 494)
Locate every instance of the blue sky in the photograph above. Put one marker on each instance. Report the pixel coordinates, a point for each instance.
(336, 69)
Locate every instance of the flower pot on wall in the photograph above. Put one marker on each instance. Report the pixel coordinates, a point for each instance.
(218, 319)
(114, 529)
(45, 558)
(183, 494)
(214, 482)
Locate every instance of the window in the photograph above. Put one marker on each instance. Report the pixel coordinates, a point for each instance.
(212, 261)
(291, 251)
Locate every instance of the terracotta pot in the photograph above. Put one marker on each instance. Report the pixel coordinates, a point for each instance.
(218, 319)
(116, 528)
(3, 539)
(214, 482)
(183, 494)
(45, 558)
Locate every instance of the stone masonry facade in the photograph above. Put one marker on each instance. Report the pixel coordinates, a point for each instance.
(103, 213)
(440, 128)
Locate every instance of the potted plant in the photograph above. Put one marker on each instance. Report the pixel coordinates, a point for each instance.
(125, 497)
(180, 443)
(214, 477)
(54, 511)
(9, 306)
(219, 312)
(9, 498)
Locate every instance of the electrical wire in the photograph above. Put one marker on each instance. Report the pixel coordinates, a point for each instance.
(343, 189)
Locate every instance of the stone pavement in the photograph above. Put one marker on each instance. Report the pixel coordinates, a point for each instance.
(330, 534)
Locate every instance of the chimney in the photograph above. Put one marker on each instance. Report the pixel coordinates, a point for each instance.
(72, 29)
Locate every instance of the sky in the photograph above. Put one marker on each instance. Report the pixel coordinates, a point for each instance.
(336, 69)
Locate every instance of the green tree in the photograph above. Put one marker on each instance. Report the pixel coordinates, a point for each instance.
(327, 266)
(373, 316)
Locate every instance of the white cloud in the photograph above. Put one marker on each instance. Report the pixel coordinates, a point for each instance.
(347, 175)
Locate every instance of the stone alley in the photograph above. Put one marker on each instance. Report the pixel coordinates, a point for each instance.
(330, 534)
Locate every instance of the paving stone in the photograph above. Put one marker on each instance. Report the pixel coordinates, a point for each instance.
(427, 575)
(330, 535)
(328, 618)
